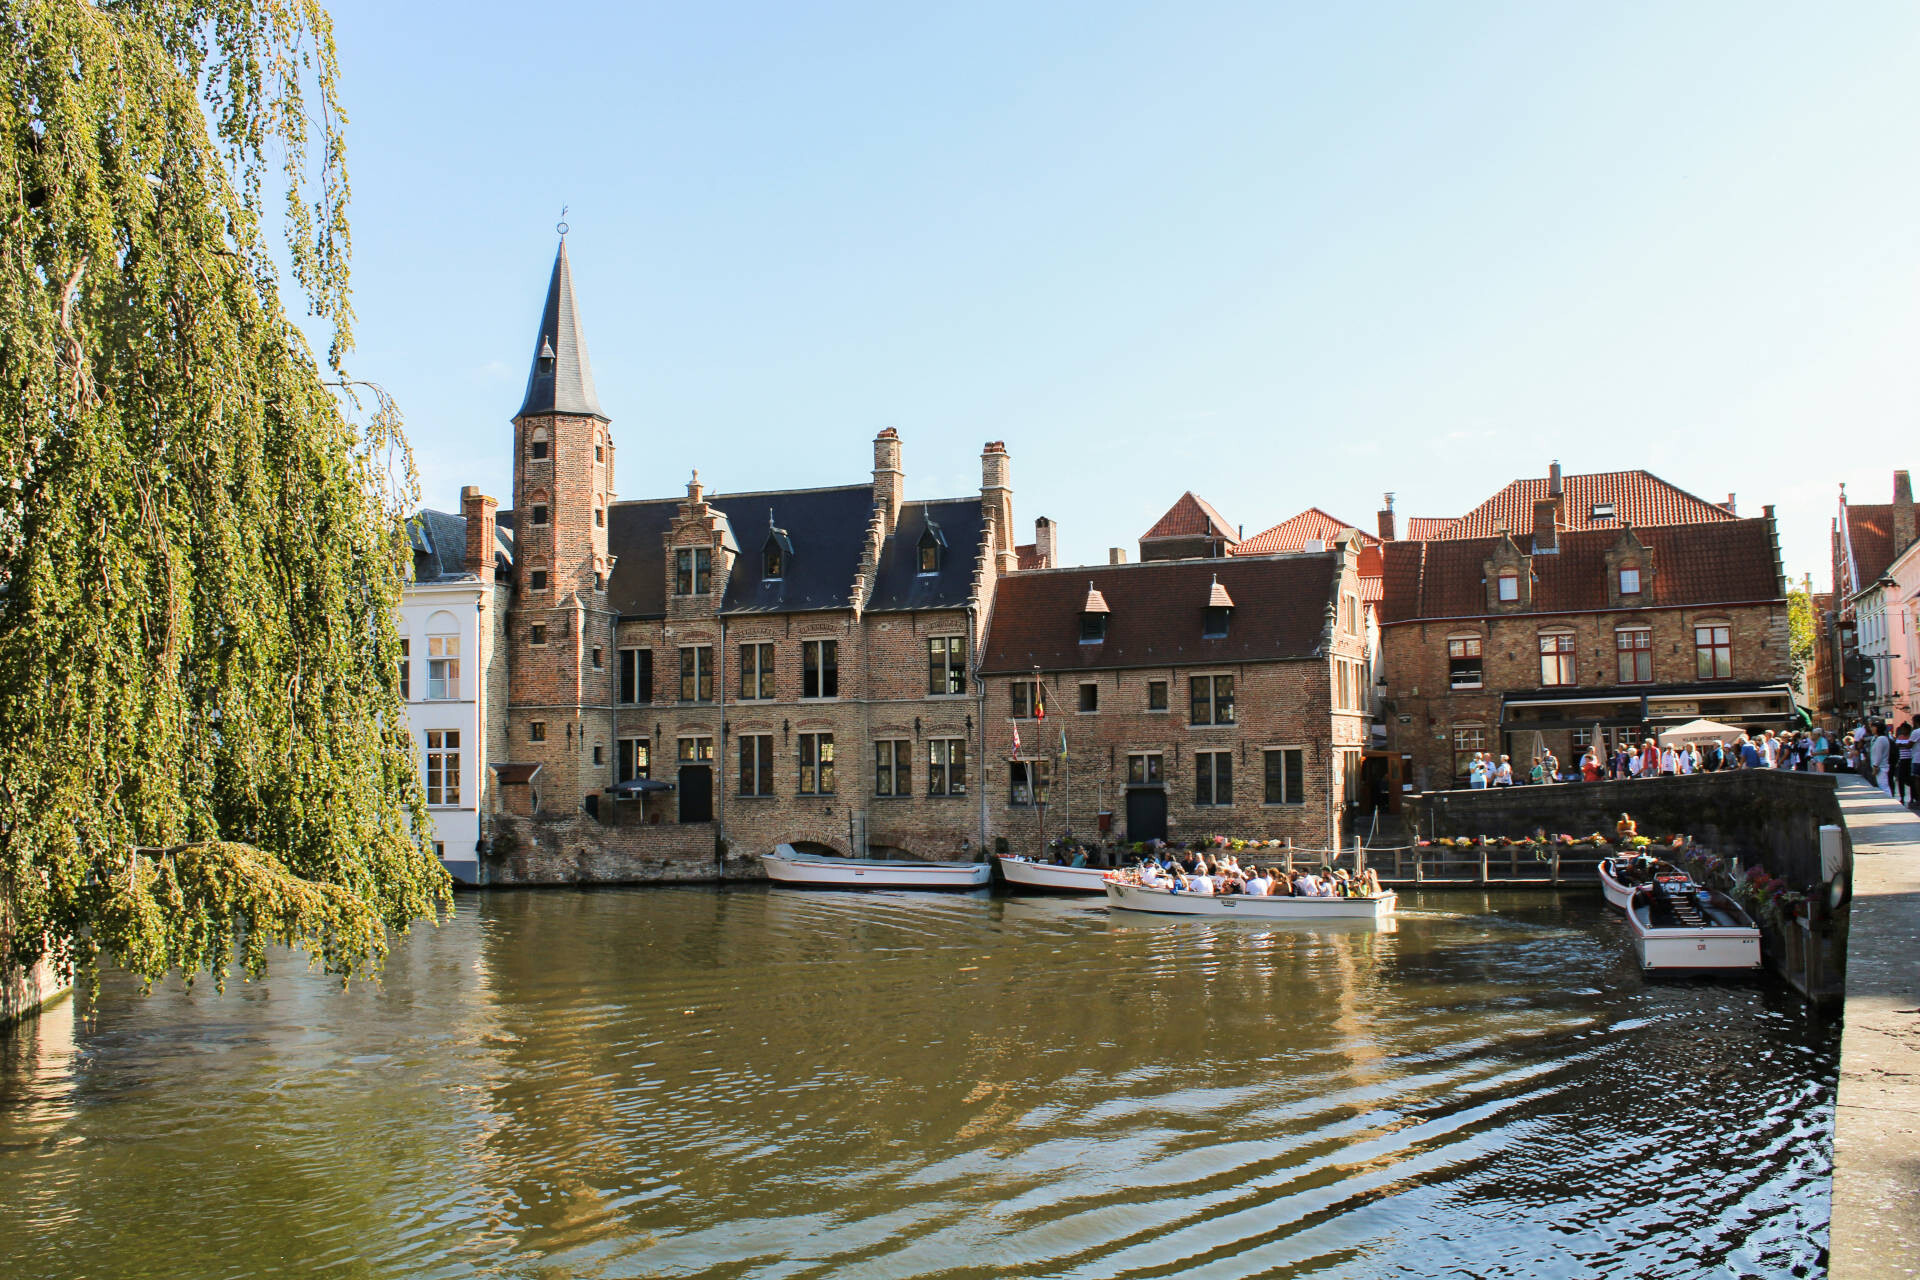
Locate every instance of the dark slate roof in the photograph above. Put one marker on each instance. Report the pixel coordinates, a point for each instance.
(439, 541)
(568, 386)
(1727, 562)
(827, 529)
(899, 584)
(1157, 611)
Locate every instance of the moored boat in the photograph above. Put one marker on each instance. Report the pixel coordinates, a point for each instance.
(787, 865)
(1040, 876)
(1619, 877)
(1695, 929)
(1138, 897)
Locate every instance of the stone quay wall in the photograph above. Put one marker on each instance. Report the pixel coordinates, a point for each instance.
(576, 849)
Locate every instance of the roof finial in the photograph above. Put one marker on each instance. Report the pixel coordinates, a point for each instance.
(561, 226)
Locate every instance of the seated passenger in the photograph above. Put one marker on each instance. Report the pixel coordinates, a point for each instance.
(1201, 884)
(1151, 875)
(1256, 885)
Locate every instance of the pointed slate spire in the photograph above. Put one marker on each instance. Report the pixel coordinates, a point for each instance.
(561, 380)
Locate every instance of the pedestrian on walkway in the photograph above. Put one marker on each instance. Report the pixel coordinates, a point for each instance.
(1880, 758)
(1902, 762)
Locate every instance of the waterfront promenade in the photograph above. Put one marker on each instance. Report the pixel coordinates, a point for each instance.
(1876, 1142)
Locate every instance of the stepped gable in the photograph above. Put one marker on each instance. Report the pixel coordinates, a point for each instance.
(1726, 562)
(898, 582)
(1156, 610)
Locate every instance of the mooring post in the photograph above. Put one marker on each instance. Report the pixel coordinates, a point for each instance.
(1289, 856)
(1556, 866)
(1359, 857)
(1483, 859)
(1419, 869)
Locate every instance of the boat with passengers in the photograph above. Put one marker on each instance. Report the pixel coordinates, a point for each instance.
(1126, 895)
(1619, 877)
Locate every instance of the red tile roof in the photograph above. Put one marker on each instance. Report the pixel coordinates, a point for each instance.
(1028, 556)
(1294, 534)
(1421, 528)
(1870, 530)
(1158, 608)
(1637, 497)
(1729, 562)
(1190, 517)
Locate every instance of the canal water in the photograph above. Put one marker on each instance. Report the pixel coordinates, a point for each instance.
(750, 1082)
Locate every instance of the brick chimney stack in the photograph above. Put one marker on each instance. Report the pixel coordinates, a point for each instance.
(996, 495)
(1733, 507)
(1116, 555)
(889, 482)
(1903, 530)
(1553, 479)
(1045, 542)
(1546, 527)
(478, 509)
(1386, 520)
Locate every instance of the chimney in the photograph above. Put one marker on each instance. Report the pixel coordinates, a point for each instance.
(1546, 528)
(1116, 555)
(996, 495)
(1386, 520)
(889, 483)
(1902, 512)
(1553, 480)
(1733, 508)
(478, 509)
(1045, 535)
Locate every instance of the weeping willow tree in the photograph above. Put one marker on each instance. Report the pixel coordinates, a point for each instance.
(202, 745)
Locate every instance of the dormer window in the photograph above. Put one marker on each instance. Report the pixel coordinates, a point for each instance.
(1601, 511)
(1093, 617)
(1509, 583)
(692, 571)
(545, 360)
(932, 543)
(775, 554)
(1630, 581)
(1219, 612)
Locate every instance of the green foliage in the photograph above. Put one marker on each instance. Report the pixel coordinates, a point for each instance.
(202, 745)
(1802, 630)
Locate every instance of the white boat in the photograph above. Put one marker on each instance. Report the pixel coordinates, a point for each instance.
(787, 865)
(1698, 929)
(1618, 879)
(1139, 897)
(1022, 874)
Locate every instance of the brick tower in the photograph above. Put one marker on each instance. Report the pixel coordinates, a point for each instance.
(560, 629)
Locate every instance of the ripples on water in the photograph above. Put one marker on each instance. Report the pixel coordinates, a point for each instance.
(764, 1083)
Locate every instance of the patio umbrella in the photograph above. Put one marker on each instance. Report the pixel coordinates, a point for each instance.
(1698, 731)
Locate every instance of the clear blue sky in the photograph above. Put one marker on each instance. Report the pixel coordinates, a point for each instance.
(1275, 254)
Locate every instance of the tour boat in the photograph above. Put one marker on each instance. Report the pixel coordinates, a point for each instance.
(787, 865)
(1140, 897)
(1032, 876)
(1691, 929)
(1618, 879)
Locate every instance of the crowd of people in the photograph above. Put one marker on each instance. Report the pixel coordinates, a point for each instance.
(1884, 757)
(1806, 751)
(1190, 872)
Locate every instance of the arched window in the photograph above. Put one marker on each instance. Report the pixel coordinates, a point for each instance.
(539, 445)
(443, 656)
(1633, 646)
(537, 510)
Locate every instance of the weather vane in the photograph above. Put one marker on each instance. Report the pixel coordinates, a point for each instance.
(561, 226)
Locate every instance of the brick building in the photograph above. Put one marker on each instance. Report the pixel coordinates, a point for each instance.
(730, 671)
(1194, 696)
(1497, 638)
(1872, 624)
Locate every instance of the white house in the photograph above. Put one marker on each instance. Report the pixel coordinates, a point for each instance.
(453, 671)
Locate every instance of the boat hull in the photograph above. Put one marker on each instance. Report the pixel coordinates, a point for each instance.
(804, 872)
(1033, 877)
(1713, 948)
(1236, 906)
(1617, 894)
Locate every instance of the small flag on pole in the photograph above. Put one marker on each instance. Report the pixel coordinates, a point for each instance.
(1063, 742)
(1016, 742)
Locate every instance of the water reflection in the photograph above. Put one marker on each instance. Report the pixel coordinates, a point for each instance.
(686, 1082)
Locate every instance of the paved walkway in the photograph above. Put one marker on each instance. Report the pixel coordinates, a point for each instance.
(1876, 1141)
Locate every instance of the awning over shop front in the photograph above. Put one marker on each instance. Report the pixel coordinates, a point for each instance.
(1742, 704)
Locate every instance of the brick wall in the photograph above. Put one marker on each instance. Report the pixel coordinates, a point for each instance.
(1415, 656)
(576, 849)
